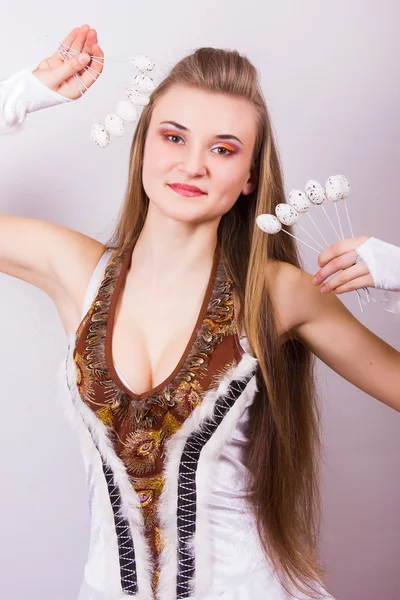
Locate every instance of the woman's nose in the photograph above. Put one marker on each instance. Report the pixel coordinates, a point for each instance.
(193, 164)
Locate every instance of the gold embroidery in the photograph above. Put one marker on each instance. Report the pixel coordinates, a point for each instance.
(105, 414)
(170, 425)
(142, 447)
(156, 577)
(142, 427)
(159, 539)
(149, 490)
(217, 323)
(188, 396)
(83, 380)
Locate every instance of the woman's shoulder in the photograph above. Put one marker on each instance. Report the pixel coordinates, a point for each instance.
(292, 291)
(73, 269)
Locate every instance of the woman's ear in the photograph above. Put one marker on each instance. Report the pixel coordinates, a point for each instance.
(252, 181)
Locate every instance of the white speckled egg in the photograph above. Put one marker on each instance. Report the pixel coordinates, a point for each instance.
(345, 185)
(126, 111)
(333, 189)
(100, 135)
(269, 223)
(299, 201)
(143, 83)
(286, 214)
(314, 192)
(115, 125)
(137, 97)
(141, 62)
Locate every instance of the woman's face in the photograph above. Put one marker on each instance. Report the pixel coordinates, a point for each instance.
(195, 155)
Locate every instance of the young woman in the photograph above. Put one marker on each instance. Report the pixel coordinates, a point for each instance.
(191, 336)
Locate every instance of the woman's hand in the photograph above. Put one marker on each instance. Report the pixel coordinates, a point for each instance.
(58, 75)
(342, 255)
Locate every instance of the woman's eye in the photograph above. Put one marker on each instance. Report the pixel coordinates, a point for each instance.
(172, 135)
(227, 151)
(178, 137)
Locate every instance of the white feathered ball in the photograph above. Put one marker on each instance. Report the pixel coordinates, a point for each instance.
(141, 62)
(126, 111)
(100, 135)
(299, 201)
(137, 97)
(143, 83)
(345, 186)
(115, 125)
(333, 189)
(268, 223)
(286, 214)
(315, 192)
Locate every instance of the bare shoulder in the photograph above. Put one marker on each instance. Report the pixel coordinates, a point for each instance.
(72, 265)
(53, 258)
(293, 294)
(59, 261)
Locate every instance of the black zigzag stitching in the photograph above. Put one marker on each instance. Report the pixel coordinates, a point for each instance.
(126, 550)
(186, 514)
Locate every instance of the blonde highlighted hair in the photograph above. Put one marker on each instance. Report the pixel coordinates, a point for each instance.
(284, 455)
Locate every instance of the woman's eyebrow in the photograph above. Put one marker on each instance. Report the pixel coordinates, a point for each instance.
(223, 136)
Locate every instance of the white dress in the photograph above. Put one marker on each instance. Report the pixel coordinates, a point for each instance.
(230, 563)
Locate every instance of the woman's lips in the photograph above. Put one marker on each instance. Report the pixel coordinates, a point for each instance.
(185, 192)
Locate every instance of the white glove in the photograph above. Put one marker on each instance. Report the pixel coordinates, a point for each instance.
(383, 262)
(24, 93)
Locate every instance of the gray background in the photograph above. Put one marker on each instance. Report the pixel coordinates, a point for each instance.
(329, 72)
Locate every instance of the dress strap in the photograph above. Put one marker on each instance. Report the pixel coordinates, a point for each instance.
(95, 280)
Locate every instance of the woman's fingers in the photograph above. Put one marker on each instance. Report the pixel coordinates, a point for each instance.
(90, 41)
(338, 248)
(355, 284)
(342, 259)
(349, 279)
(89, 75)
(78, 43)
(336, 264)
(84, 41)
(62, 72)
(69, 40)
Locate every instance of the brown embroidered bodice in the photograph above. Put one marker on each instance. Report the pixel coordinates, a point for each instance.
(140, 424)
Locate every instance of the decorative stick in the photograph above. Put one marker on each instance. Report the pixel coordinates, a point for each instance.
(340, 222)
(271, 224)
(317, 195)
(345, 188)
(317, 228)
(332, 225)
(310, 236)
(300, 203)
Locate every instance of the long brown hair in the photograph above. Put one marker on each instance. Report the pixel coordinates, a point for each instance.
(285, 421)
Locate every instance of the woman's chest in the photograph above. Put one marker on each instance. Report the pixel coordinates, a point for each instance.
(150, 336)
(139, 342)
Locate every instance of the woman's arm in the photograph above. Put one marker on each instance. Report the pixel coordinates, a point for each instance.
(333, 334)
(54, 258)
(52, 82)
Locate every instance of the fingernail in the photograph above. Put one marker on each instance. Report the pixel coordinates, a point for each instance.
(83, 59)
(315, 280)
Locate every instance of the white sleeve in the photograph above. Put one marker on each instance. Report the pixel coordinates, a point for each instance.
(383, 262)
(23, 93)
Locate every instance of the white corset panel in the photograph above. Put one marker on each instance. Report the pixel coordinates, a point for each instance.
(239, 569)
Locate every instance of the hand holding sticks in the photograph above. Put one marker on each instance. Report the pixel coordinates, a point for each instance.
(336, 188)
